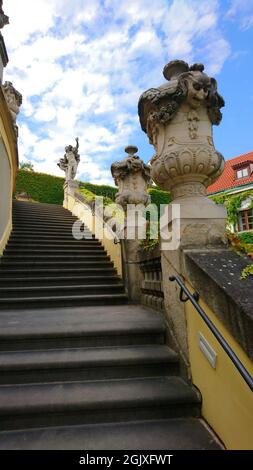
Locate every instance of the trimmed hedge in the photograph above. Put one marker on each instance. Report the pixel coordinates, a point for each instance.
(40, 186)
(90, 197)
(49, 189)
(100, 190)
(158, 196)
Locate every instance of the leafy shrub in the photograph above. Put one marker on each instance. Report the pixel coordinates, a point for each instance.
(158, 196)
(100, 190)
(232, 203)
(90, 196)
(246, 237)
(148, 243)
(40, 187)
(239, 246)
(247, 271)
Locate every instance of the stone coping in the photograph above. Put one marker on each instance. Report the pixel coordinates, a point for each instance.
(148, 255)
(215, 274)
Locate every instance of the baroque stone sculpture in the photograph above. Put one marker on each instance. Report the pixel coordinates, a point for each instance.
(4, 19)
(70, 161)
(14, 101)
(132, 176)
(178, 118)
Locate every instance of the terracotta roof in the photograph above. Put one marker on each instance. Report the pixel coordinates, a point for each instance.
(227, 179)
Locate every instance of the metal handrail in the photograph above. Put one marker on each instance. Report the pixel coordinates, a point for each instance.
(194, 300)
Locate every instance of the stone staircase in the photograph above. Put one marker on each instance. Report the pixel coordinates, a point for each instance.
(44, 266)
(78, 368)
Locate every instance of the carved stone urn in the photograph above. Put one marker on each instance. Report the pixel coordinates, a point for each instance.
(178, 118)
(132, 176)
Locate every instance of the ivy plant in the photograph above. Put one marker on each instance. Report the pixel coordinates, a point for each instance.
(247, 271)
(233, 203)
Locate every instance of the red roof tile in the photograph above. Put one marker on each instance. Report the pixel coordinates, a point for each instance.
(227, 179)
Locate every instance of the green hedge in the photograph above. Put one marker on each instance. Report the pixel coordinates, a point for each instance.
(40, 186)
(90, 197)
(158, 196)
(49, 189)
(100, 190)
(246, 237)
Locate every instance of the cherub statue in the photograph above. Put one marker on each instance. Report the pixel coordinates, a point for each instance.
(70, 161)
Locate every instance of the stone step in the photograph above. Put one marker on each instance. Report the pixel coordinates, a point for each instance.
(37, 206)
(61, 255)
(59, 290)
(46, 225)
(64, 365)
(57, 250)
(41, 213)
(53, 271)
(8, 264)
(74, 327)
(47, 245)
(23, 302)
(40, 237)
(35, 405)
(49, 238)
(62, 280)
(34, 231)
(20, 217)
(149, 435)
(12, 252)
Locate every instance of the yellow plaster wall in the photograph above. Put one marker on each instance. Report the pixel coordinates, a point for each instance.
(227, 399)
(8, 168)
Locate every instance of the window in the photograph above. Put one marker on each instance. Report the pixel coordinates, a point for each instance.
(242, 173)
(245, 221)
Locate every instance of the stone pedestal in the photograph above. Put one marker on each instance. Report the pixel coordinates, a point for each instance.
(178, 118)
(69, 190)
(132, 176)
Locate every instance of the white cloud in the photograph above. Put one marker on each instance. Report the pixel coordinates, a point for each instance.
(82, 65)
(242, 10)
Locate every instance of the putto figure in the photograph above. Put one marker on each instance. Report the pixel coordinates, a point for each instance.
(70, 161)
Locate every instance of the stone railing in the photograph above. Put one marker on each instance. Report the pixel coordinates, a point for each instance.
(151, 284)
(76, 203)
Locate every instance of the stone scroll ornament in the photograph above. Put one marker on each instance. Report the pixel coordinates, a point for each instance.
(4, 19)
(132, 176)
(178, 118)
(70, 161)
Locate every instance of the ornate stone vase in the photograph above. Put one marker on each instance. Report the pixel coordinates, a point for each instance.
(178, 118)
(132, 176)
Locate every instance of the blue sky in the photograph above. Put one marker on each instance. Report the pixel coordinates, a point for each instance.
(81, 66)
